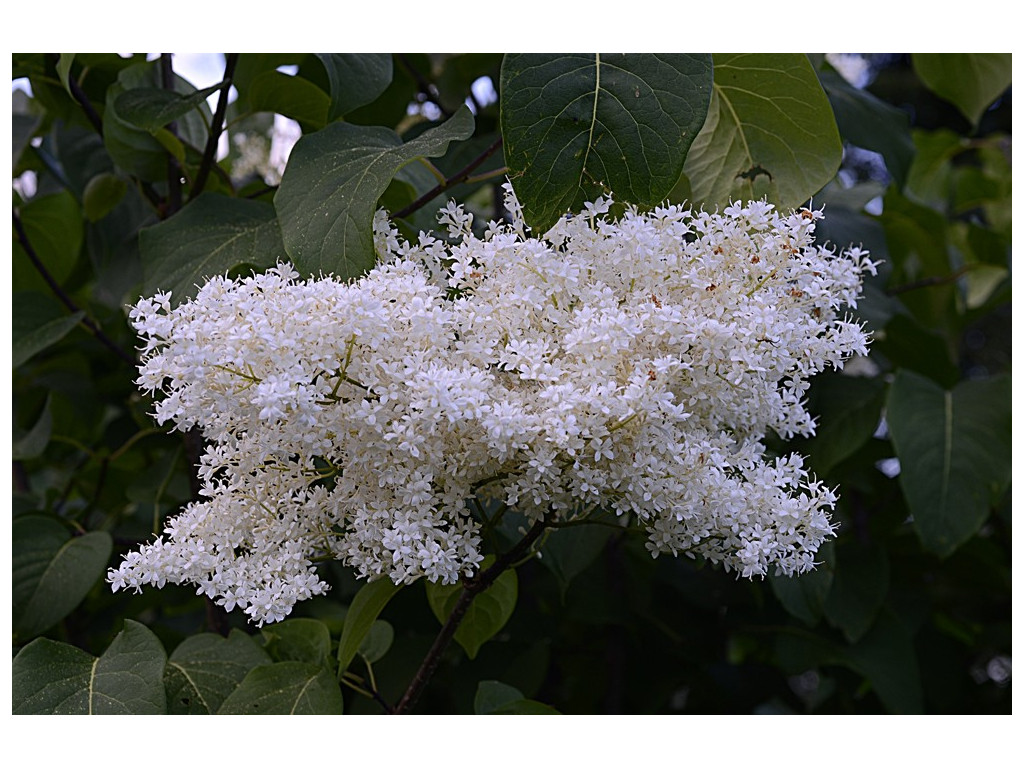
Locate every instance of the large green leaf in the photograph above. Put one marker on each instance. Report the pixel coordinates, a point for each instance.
(859, 587)
(52, 571)
(51, 678)
(31, 443)
(871, 123)
(291, 96)
(37, 323)
(494, 698)
(356, 79)
(205, 669)
(142, 152)
(886, 657)
(970, 81)
(486, 615)
(23, 128)
(804, 596)
(153, 108)
(366, 607)
(298, 639)
(286, 688)
(954, 452)
(53, 225)
(209, 236)
(847, 411)
(568, 551)
(919, 250)
(330, 189)
(579, 125)
(770, 132)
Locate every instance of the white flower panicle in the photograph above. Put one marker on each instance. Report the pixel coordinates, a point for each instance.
(630, 366)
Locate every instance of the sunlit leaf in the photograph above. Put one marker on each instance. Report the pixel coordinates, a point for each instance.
(770, 132)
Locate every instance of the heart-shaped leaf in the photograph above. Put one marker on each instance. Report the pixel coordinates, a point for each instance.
(770, 133)
(205, 669)
(335, 177)
(51, 678)
(954, 451)
(208, 237)
(286, 688)
(580, 125)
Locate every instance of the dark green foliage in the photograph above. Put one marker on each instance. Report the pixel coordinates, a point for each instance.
(909, 610)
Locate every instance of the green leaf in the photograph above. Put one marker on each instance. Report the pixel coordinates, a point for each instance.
(356, 79)
(366, 607)
(492, 695)
(37, 323)
(299, 639)
(567, 552)
(486, 615)
(886, 657)
(329, 191)
(969, 81)
(29, 445)
(847, 410)
(141, 152)
(494, 698)
(153, 108)
(291, 96)
(859, 587)
(918, 250)
(804, 596)
(869, 122)
(580, 125)
(64, 70)
(52, 571)
(285, 688)
(770, 132)
(23, 128)
(930, 173)
(208, 237)
(53, 225)
(954, 451)
(205, 669)
(51, 678)
(132, 149)
(377, 642)
(102, 194)
(909, 345)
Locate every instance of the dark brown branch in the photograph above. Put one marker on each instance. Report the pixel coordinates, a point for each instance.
(929, 282)
(458, 178)
(64, 298)
(427, 89)
(83, 101)
(471, 587)
(210, 153)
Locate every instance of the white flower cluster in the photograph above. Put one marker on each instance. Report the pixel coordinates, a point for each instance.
(630, 365)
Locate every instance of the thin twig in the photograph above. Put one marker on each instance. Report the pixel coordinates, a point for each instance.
(210, 153)
(458, 178)
(79, 95)
(428, 89)
(470, 589)
(64, 298)
(929, 282)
